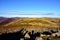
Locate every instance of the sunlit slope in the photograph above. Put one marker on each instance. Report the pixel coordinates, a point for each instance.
(36, 22)
(14, 24)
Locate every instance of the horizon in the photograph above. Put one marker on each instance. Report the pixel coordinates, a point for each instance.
(30, 8)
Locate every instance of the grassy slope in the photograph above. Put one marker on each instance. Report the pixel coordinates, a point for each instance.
(39, 22)
(32, 23)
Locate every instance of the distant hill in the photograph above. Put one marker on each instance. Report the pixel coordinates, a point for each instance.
(4, 21)
(16, 22)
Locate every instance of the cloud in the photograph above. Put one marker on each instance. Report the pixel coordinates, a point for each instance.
(28, 14)
(24, 13)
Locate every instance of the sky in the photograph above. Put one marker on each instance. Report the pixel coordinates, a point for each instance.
(30, 8)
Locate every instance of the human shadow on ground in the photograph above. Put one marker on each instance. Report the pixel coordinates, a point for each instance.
(13, 36)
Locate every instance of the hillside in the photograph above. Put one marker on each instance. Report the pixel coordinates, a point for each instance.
(16, 23)
(37, 22)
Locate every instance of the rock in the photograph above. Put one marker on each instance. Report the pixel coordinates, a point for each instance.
(39, 38)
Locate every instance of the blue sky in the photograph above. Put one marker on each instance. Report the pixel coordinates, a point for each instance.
(30, 8)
